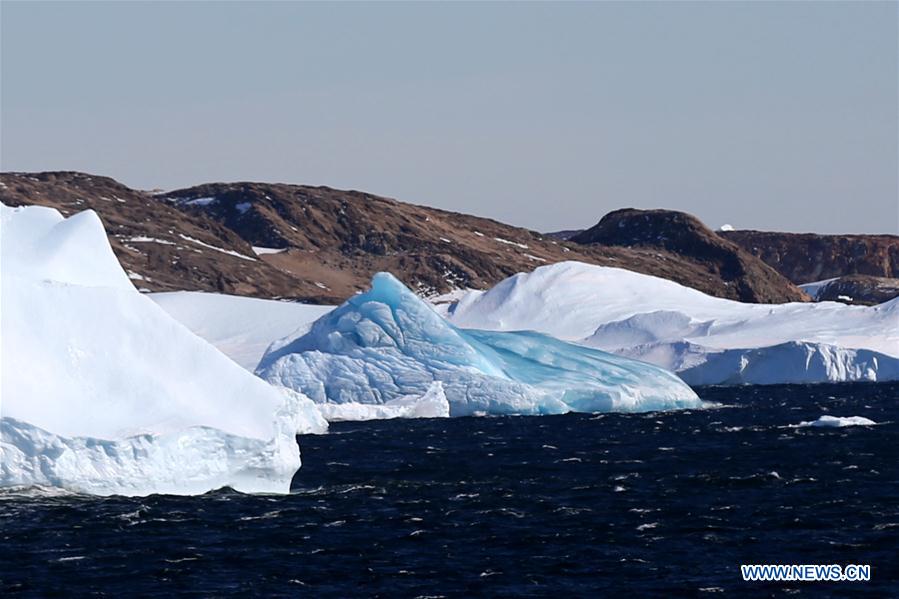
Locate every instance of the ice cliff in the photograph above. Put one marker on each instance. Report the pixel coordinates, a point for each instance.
(388, 343)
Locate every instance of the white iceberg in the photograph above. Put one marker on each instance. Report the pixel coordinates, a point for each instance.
(388, 343)
(682, 329)
(838, 422)
(103, 392)
(815, 288)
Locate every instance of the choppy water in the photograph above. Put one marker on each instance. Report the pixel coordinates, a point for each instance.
(660, 504)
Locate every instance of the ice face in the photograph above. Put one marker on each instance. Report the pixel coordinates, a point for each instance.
(184, 461)
(432, 404)
(795, 362)
(388, 343)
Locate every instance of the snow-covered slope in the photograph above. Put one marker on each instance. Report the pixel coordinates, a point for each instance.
(240, 327)
(388, 343)
(104, 392)
(685, 330)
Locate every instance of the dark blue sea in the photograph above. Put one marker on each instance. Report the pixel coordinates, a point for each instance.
(659, 504)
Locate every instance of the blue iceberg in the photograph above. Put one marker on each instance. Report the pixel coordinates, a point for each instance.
(388, 343)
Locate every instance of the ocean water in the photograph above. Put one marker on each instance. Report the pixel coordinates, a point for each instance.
(661, 504)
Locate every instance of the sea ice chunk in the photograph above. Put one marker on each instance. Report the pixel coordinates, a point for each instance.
(432, 404)
(838, 422)
(388, 343)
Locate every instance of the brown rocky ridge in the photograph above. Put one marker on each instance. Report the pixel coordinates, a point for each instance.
(321, 245)
(684, 235)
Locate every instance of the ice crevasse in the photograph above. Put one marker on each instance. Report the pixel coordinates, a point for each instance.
(103, 392)
(387, 344)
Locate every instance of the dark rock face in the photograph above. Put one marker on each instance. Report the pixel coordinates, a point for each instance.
(563, 235)
(685, 235)
(859, 289)
(322, 245)
(807, 257)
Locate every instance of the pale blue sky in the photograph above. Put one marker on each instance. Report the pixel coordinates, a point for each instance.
(547, 115)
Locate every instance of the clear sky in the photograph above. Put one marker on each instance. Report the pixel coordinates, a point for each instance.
(765, 115)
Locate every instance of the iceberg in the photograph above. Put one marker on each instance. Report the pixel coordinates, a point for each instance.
(815, 288)
(837, 422)
(387, 344)
(707, 340)
(103, 392)
(780, 364)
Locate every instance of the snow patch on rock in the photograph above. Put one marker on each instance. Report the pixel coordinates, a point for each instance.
(215, 248)
(262, 251)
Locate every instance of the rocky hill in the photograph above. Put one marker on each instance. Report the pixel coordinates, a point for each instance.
(320, 244)
(808, 257)
(161, 248)
(684, 235)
